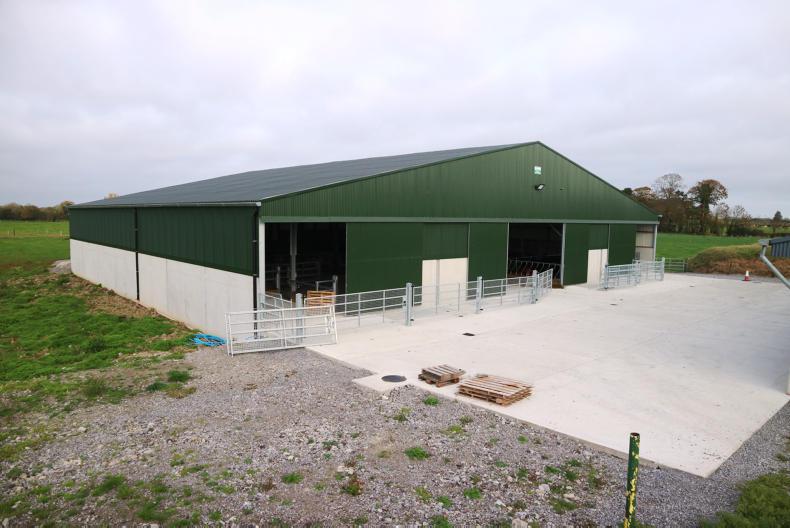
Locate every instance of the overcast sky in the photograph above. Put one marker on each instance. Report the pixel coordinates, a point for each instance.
(99, 97)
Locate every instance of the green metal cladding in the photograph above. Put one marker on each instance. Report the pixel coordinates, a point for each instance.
(622, 244)
(444, 241)
(577, 239)
(389, 254)
(599, 236)
(497, 186)
(108, 227)
(383, 255)
(619, 239)
(487, 250)
(215, 237)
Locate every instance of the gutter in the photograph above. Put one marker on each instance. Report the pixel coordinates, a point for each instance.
(774, 270)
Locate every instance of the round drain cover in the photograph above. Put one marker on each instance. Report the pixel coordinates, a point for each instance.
(393, 378)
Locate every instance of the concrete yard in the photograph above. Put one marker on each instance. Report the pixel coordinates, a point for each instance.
(694, 364)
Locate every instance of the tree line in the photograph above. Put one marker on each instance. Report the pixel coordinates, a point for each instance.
(15, 211)
(700, 209)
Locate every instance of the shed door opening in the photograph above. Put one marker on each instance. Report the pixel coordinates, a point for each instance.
(302, 257)
(534, 247)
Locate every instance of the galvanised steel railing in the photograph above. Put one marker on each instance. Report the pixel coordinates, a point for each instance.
(625, 275)
(525, 267)
(279, 328)
(674, 265)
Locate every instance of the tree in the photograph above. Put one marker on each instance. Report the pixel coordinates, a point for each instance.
(721, 215)
(643, 194)
(668, 186)
(776, 222)
(670, 202)
(739, 222)
(705, 194)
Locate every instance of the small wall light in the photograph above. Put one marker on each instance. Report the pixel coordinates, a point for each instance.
(540, 186)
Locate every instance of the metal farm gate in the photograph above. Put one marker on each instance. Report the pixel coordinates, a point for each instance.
(281, 324)
(631, 274)
(280, 328)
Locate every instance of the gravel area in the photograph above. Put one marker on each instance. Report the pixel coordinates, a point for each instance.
(287, 438)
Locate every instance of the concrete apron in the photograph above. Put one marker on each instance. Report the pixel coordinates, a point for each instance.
(696, 365)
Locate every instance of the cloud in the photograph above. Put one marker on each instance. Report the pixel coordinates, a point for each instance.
(101, 97)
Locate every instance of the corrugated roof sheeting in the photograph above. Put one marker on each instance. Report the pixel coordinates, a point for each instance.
(270, 183)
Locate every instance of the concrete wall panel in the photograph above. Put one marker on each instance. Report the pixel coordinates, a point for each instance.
(112, 268)
(195, 295)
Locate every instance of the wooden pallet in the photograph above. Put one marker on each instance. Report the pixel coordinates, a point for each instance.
(502, 391)
(319, 298)
(441, 375)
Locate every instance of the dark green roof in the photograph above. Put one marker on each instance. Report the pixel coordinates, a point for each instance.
(255, 186)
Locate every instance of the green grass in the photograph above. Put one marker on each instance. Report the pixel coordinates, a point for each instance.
(764, 501)
(49, 331)
(110, 483)
(178, 376)
(445, 501)
(423, 494)
(417, 453)
(431, 400)
(682, 246)
(46, 332)
(472, 493)
(27, 256)
(711, 258)
(402, 415)
(22, 228)
(561, 506)
(292, 478)
(440, 521)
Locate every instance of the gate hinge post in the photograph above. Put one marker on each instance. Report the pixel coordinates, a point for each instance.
(408, 301)
(478, 294)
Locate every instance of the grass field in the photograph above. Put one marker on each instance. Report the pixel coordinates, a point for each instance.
(681, 246)
(20, 229)
(54, 328)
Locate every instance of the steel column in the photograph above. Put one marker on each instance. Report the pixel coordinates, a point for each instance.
(408, 300)
(293, 250)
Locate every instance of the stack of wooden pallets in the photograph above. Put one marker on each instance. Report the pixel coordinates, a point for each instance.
(441, 375)
(319, 298)
(503, 391)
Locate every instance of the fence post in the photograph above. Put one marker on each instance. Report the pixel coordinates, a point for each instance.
(605, 280)
(229, 342)
(478, 294)
(663, 266)
(299, 321)
(534, 286)
(334, 284)
(408, 301)
(630, 485)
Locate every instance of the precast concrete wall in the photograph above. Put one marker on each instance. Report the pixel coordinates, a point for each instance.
(195, 295)
(112, 268)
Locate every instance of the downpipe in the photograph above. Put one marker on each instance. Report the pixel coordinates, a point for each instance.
(773, 268)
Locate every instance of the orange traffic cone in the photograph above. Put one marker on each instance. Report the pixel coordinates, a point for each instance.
(746, 277)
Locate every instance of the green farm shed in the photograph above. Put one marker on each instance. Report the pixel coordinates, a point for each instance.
(210, 246)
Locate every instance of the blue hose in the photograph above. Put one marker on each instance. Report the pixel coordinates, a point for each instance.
(207, 340)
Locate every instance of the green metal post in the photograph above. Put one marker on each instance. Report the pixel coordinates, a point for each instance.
(630, 485)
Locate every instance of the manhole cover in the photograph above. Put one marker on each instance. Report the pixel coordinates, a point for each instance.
(470, 334)
(393, 378)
